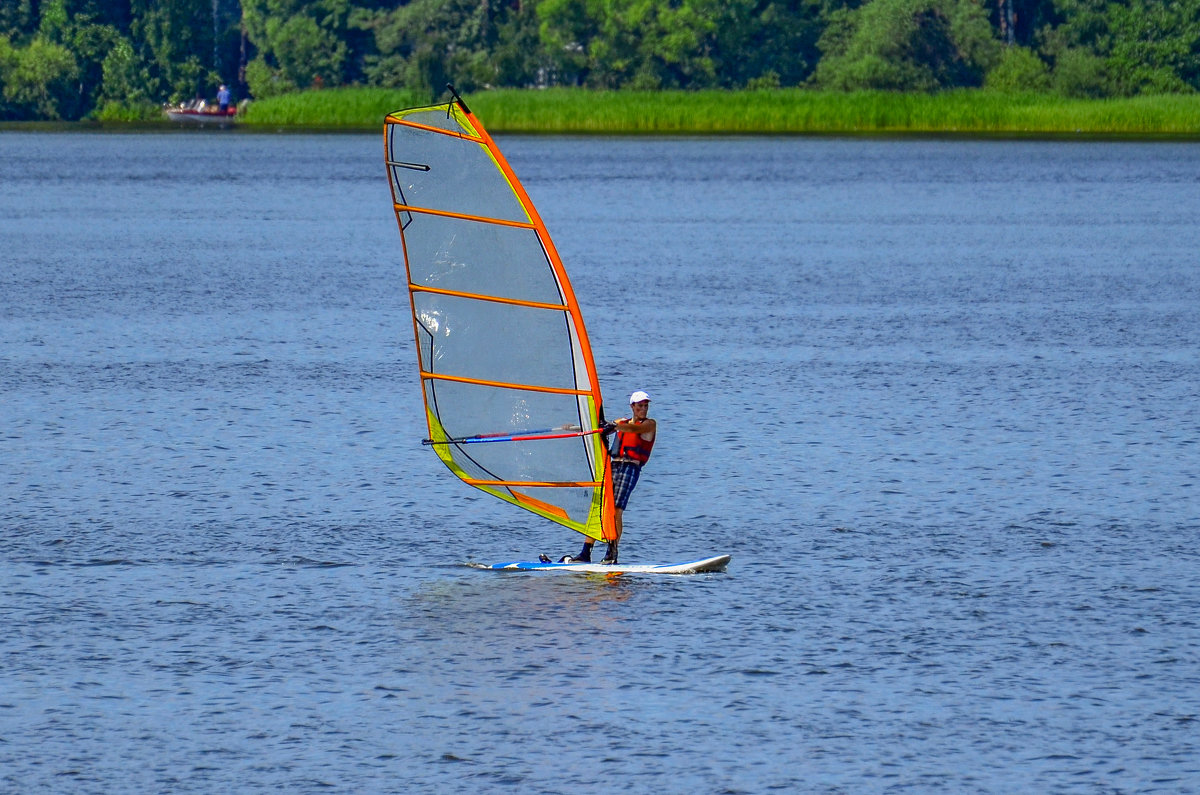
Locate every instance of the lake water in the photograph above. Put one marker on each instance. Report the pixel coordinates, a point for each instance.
(940, 399)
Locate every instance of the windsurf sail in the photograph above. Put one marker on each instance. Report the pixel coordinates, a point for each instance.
(504, 357)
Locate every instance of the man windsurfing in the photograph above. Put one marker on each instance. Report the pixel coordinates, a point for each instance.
(630, 451)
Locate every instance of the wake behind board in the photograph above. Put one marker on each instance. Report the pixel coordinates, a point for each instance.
(717, 563)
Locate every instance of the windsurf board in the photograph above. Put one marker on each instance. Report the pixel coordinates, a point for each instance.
(717, 563)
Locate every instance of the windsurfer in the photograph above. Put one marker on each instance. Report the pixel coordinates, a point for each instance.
(630, 451)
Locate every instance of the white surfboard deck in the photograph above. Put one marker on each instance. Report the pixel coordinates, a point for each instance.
(717, 563)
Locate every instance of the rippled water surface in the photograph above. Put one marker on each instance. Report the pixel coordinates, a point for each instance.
(939, 400)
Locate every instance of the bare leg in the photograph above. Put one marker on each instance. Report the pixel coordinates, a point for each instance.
(617, 522)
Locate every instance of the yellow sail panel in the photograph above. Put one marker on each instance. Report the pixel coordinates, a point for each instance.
(511, 394)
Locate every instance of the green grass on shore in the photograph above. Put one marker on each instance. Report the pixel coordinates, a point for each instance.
(780, 111)
(353, 108)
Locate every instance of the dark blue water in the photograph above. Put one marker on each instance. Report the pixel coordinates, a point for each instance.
(939, 399)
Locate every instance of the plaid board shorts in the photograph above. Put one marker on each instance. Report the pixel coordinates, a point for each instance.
(625, 477)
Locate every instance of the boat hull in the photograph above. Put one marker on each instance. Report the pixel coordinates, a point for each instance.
(186, 116)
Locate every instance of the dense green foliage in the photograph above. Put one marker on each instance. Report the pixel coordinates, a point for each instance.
(67, 59)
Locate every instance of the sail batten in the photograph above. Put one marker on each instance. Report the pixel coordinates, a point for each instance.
(417, 288)
(502, 221)
(392, 119)
(552, 390)
(500, 340)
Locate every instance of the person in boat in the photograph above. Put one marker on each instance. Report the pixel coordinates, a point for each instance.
(630, 450)
(223, 99)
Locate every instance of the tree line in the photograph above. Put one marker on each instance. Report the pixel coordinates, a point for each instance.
(69, 59)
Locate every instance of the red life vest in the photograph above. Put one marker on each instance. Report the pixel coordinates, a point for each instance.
(630, 445)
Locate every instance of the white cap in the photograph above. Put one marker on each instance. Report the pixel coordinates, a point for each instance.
(638, 397)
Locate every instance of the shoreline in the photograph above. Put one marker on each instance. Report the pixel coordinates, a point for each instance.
(561, 111)
(775, 112)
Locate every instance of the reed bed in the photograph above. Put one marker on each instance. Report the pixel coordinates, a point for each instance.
(339, 108)
(781, 111)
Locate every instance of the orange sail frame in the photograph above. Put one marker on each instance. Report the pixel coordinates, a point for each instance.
(432, 305)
